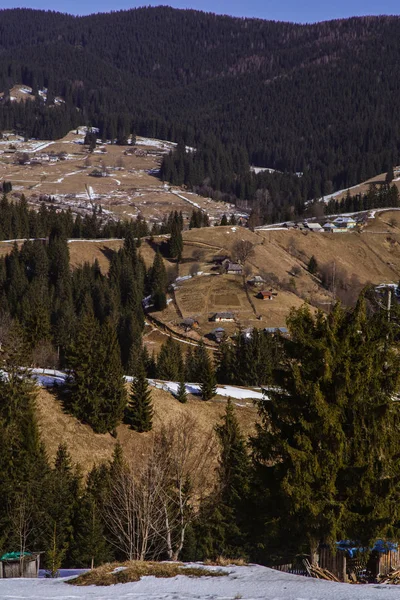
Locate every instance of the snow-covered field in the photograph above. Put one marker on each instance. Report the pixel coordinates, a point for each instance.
(249, 583)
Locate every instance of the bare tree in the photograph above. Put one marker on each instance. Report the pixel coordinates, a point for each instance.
(44, 355)
(242, 250)
(132, 511)
(198, 255)
(150, 506)
(186, 466)
(194, 269)
(20, 514)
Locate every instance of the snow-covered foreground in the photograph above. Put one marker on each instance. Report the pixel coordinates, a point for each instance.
(249, 583)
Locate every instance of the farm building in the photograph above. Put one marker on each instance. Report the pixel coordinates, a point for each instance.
(347, 222)
(256, 281)
(190, 323)
(234, 269)
(222, 316)
(313, 226)
(17, 564)
(329, 227)
(265, 295)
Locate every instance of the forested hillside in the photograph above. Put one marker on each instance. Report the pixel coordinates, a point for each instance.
(314, 99)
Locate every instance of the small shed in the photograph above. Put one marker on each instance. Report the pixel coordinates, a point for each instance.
(313, 226)
(256, 281)
(218, 334)
(265, 295)
(190, 323)
(18, 564)
(329, 227)
(223, 316)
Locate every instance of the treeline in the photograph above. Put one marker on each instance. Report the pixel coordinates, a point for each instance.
(223, 173)
(378, 196)
(315, 466)
(18, 221)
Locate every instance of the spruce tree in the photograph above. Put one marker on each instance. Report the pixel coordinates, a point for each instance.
(96, 386)
(158, 282)
(181, 395)
(321, 470)
(206, 372)
(175, 245)
(139, 410)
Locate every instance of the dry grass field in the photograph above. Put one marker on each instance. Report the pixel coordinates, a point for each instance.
(62, 169)
(88, 448)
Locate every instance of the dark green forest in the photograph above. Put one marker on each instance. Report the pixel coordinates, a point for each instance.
(321, 465)
(320, 99)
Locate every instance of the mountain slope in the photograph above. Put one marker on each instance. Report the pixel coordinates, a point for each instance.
(319, 99)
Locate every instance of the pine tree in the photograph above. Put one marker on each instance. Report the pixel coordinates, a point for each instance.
(181, 395)
(224, 220)
(139, 411)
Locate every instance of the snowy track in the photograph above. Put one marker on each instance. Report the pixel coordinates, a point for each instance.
(249, 583)
(50, 377)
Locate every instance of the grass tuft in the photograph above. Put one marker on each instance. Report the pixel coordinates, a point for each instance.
(135, 570)
(223, 561)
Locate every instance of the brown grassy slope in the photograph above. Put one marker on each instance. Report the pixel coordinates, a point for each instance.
(88, 448)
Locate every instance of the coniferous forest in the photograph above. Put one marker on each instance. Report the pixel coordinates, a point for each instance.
(317, 102)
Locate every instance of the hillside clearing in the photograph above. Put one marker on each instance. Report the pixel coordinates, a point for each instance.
(88, 448)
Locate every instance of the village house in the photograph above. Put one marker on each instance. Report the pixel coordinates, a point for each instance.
(347, 222)
(313, 226)
(265, 295)
(223, 316)
(329, 227)
(234, 268)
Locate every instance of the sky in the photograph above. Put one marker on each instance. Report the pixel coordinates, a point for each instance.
(300, 11)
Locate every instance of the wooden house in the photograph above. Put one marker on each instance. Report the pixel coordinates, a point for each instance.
(15, 564)
(265, 295)
(234, 268)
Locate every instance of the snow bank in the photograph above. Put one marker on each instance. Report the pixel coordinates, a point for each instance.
(249, 583)
(222, 390)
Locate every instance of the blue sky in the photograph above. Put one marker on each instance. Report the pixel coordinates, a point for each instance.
(284, 10)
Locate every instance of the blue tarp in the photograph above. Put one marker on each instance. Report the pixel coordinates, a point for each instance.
(352, 547)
